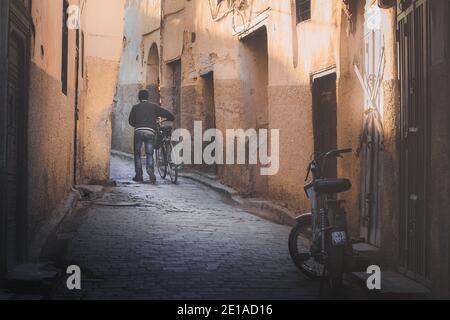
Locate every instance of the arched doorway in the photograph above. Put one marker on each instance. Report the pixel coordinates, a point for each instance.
(153, 82)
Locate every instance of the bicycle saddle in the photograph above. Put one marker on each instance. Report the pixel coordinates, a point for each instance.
(332, 186)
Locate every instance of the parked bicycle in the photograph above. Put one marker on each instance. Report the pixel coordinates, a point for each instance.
(319, 244)
(164, 156)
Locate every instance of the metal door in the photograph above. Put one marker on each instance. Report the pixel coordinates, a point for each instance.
(16, 106)
(413, 64)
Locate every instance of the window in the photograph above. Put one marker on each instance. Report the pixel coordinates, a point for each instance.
(64, 48)
(303, 10)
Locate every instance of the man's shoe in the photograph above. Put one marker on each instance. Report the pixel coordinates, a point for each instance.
(151, 174)
(138, 179)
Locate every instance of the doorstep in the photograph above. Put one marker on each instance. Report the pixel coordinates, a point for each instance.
(394, 285)
(32, 281)
(366, 255)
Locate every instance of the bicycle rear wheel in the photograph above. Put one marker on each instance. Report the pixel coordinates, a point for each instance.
(300, 244)
(161, 163)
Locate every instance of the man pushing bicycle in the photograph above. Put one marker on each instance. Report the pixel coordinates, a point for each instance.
(143, 118)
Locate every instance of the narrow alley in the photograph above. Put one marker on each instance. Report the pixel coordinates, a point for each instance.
(308, 136)
(140, 241)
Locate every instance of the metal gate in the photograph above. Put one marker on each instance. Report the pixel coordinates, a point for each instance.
(372, 143)
(413, 69)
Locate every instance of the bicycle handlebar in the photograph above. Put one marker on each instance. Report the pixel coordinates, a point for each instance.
(337, 153)
(314, 167)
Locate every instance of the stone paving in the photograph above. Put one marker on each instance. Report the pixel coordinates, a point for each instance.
(184, 241)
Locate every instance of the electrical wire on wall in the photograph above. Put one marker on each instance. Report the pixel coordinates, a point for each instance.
(217, 7)
(236, 8)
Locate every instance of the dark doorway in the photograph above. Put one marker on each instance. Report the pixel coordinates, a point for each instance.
(175, 73)
(153, 83)
(414, 157)
(325, 118)
(209, 110)
(255, 77)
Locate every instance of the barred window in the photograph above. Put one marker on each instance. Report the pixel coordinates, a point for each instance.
(303, 10)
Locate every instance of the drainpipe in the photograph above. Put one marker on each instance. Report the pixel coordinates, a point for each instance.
(76, 110)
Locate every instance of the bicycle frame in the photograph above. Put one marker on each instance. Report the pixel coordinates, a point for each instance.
(324, 216)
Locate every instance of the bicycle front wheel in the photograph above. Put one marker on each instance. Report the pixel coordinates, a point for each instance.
(172, 167)
(161, 162)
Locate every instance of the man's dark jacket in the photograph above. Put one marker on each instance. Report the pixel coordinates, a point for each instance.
(145, 115)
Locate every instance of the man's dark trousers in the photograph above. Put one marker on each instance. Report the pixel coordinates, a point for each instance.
(148, 139)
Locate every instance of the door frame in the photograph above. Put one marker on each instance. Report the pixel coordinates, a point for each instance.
(4, 18)
(317, 76)
(209, 79)
(176, 107)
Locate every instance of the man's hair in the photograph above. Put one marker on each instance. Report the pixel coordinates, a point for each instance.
(143, 95)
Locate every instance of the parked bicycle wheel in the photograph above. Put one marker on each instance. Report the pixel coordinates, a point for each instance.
(300, 244)
(161, 164)
(172, 168)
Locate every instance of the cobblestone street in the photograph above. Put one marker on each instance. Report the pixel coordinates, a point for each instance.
(179, 242)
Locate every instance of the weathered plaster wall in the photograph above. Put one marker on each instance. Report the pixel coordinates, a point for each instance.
(290, 92)
(52, 114)
(51, 120)
(103, 48)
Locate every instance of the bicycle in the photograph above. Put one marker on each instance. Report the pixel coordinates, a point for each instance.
(164, 152)
(319, 244)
